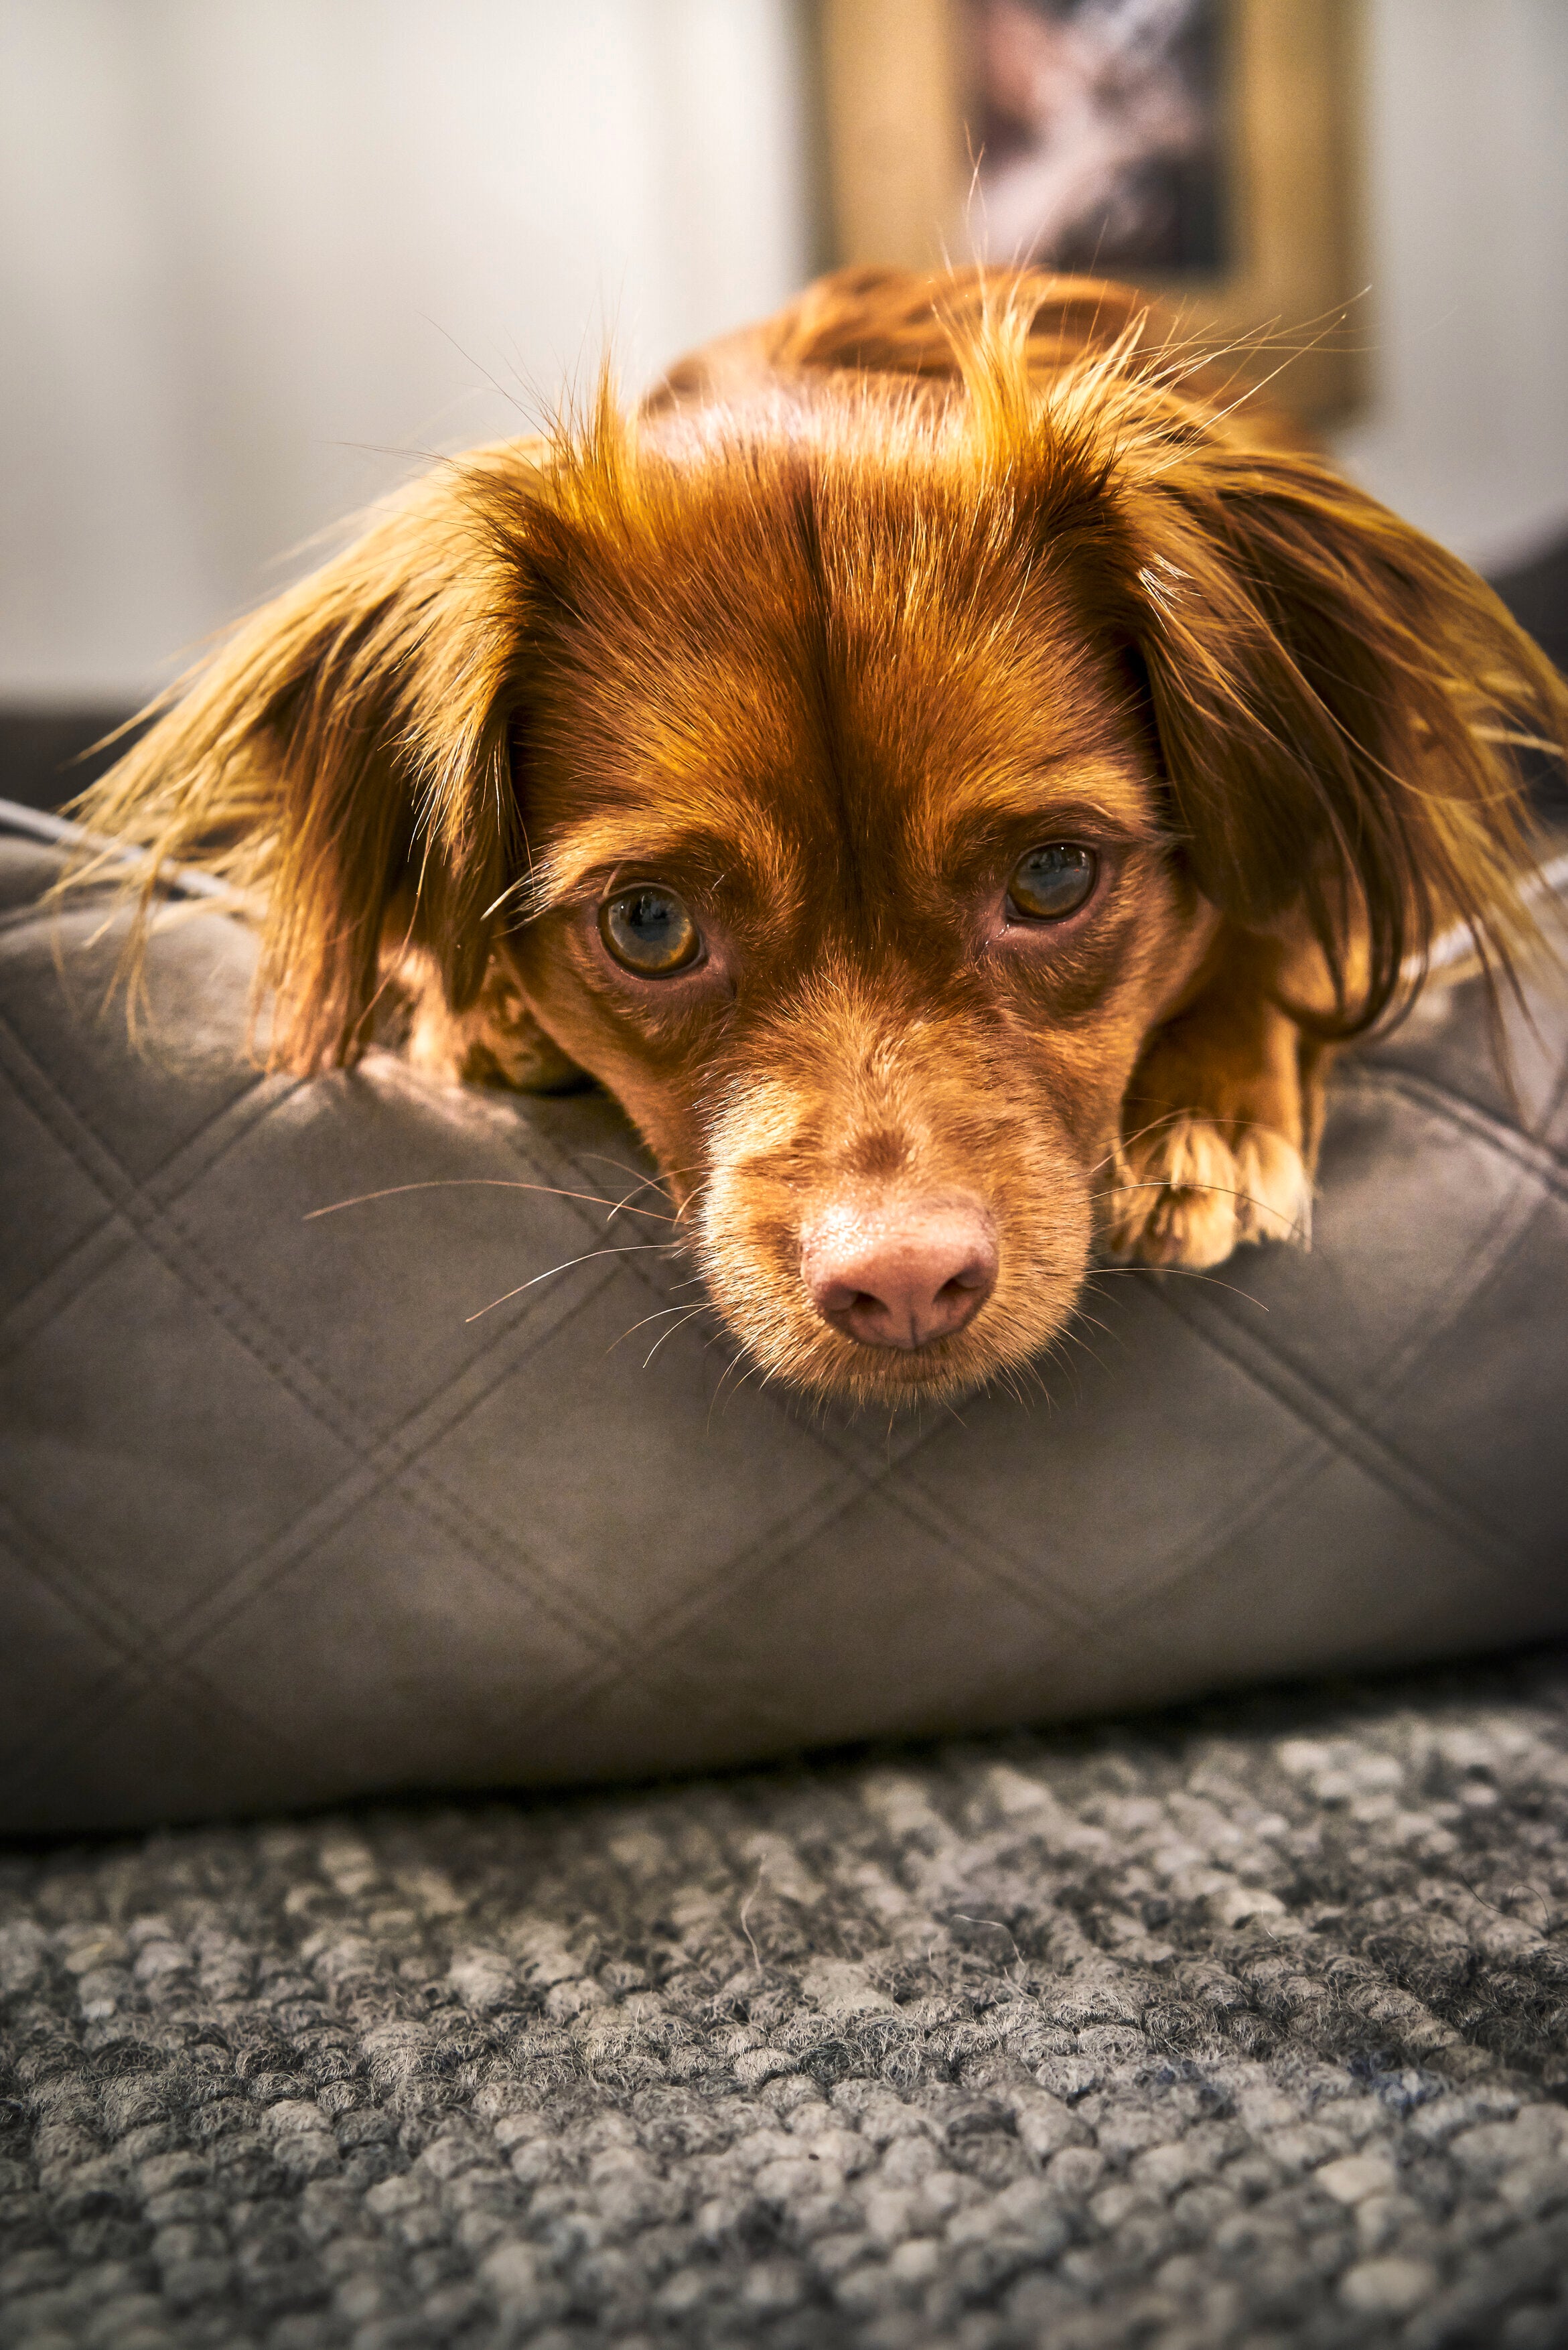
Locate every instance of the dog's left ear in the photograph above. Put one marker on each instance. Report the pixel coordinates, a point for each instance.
(1339, 704)
(348, 757)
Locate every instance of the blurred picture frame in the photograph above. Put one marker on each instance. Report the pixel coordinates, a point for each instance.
(1206, 151)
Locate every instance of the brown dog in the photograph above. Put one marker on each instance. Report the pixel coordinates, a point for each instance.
(950, 776)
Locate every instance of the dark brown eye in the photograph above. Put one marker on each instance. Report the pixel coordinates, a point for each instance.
(1052, 882)
(648, 931)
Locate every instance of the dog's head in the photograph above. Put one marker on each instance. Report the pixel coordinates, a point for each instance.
(850, 878)
(850, 777)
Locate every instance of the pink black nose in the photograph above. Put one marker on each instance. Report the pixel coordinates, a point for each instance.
(899, 1275)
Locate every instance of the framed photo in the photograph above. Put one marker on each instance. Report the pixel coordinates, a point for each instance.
(1204, 150)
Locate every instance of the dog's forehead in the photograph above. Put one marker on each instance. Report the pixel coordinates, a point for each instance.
(829, 633)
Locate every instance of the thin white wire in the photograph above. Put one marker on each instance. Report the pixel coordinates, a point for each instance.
(14, 817)
(1550, 882)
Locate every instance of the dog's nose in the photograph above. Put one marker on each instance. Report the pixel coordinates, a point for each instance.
(892, 1275)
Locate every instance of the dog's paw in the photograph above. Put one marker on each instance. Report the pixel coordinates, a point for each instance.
(495, 1041)
(1189, 1194)
(455, 1048)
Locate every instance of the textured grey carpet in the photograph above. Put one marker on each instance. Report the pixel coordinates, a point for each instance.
(1243, 2027)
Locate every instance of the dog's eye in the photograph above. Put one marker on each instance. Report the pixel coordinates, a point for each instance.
(648, 931)
(1052, 882)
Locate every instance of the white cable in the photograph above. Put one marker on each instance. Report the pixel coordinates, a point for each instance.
(14, 817)
(1548, 880)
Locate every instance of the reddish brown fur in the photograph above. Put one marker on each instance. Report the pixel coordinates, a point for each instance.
(866, 603)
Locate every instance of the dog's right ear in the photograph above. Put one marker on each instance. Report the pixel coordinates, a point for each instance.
(348, 755)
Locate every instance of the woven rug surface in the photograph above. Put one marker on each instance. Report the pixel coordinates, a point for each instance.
(1246, 2026)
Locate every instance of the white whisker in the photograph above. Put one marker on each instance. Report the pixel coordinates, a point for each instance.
(691, 1315)
(633, 1248)
(471, 1183)
(646, 1318)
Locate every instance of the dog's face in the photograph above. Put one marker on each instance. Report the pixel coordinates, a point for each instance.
(858, 900)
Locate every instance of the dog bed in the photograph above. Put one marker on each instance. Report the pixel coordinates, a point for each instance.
(298, 1505)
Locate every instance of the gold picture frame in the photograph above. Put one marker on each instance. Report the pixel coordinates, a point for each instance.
(897, 97)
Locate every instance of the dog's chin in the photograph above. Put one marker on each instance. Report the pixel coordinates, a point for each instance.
(897, 1376)
(818, 1363)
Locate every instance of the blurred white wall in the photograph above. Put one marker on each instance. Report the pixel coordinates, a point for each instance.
(1467, 430)
(256, 255)
(253, 253)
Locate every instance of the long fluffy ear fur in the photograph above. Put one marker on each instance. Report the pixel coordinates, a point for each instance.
(1339, 702)
(347, 754)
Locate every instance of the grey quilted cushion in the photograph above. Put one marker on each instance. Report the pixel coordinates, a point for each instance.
(282, 1525)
